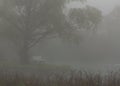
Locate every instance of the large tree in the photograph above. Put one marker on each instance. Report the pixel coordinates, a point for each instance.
(27, 22)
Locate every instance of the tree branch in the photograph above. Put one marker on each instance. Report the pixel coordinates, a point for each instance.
(35, 41)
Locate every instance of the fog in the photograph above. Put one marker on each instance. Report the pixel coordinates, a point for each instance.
(99, 49)
(105, 5)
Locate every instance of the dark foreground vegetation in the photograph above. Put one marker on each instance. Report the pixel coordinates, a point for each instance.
(14, 77)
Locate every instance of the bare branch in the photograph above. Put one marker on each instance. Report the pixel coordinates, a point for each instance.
(42, 36)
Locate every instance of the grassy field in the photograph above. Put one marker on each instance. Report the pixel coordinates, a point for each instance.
(68, 78)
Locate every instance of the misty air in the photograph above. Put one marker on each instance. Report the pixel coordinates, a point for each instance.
(59, 43)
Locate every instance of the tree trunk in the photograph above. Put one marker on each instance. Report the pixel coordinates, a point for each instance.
(24, 57)
(24, 54)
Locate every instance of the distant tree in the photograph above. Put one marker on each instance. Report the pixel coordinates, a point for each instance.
(27, 22)
(86, 18)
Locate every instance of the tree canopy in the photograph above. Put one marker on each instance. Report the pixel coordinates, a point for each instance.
(27, 22)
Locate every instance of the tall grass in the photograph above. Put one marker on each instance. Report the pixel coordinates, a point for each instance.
(73, 78)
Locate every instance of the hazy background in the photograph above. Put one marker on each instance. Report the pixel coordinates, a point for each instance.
(96, 50)
(105, 6)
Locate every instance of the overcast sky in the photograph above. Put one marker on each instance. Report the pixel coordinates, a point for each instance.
(105, 5)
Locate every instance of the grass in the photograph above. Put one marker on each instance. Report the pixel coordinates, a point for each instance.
(53, 75)
(71, 78)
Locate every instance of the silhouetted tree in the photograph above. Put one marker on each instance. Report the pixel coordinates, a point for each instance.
(27, 22)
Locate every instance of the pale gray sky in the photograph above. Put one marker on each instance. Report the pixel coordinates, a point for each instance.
(105, 5)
